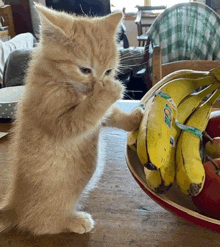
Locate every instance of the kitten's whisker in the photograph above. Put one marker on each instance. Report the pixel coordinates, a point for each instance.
(127, 95)
(132, 65)
(82, 9)
(138, 60)
(138, 54)
(132, 56)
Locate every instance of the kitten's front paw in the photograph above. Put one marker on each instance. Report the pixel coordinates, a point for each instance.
(114, 90)
(81, 222)
(135, 119)
(110, 90)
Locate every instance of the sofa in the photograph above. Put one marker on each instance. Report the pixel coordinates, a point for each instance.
(26, 19)
(16, 53)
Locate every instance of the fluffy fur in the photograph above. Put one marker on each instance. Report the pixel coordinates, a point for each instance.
(69, 93)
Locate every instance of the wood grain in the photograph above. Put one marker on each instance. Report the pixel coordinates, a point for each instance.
(160, 70)
(124, 214)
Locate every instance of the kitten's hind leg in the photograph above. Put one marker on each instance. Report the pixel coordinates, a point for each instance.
(5, 223)
(81, 222)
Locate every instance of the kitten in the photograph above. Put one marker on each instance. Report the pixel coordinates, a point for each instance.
(69, 93)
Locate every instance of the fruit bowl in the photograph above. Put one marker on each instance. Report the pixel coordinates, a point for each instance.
(174, 200)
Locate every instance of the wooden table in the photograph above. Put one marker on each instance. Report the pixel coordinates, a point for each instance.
(124, 214)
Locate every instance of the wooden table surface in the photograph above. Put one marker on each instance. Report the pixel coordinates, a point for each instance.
(124, 214)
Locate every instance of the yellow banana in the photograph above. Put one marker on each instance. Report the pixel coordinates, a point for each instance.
(141, 139)
(186, 73)
(193, 74)
(190, 173)
(163, 113)
(132, 136)
(192, 101)
(132, 139)
(162, 179)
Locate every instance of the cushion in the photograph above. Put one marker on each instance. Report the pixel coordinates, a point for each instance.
(15, 68)
(21, 41)
(9, 97)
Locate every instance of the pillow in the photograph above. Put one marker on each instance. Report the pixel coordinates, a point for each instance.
(9, 98)
(15, 68)
(21, 41)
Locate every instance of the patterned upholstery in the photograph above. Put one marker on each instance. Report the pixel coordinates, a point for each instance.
(185, 31)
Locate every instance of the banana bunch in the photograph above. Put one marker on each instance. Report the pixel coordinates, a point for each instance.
(171, 102)
(190, 173)
(132, 136)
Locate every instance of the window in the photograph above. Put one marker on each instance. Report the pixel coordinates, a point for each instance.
(130, 4)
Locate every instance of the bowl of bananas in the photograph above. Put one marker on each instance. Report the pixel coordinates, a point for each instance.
(166, 154)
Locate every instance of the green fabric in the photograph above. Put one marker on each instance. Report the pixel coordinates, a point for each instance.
(186, 31)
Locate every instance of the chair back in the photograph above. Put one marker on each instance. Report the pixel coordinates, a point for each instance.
(160, 70)
(185, 31)
(7, 19)
(26, 18)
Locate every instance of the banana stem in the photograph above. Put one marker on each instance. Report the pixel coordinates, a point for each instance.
(205, 134)
(207, 90)
(215, 165)
(214, 97)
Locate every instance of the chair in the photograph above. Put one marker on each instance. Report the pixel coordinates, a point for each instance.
(145, 11)
(7, 19)
(25, 16)
(160, 70)
(185, 31)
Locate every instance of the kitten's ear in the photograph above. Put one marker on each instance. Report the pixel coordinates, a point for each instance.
(50, 20)
(112, 21)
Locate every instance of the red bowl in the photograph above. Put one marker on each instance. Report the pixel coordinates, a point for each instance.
(174, 200)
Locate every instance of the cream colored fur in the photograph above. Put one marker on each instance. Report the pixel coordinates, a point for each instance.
(55, 136)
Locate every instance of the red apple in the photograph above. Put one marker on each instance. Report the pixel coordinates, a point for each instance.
(208, 200)
(213, 127)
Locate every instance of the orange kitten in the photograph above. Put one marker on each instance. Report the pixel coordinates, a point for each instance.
(69, 93)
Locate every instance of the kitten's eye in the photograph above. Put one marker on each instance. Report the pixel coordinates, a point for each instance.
(85, 70)
(108, 72)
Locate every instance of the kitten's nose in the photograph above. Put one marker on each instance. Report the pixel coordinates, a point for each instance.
(93, 81)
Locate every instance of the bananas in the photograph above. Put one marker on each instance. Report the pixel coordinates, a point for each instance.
(132, 136)
(168, 104)
(161, 180)
(160, 132)
(141, 138)
(192, 101)
(139, 143)
(132, 139)
(190, 173)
